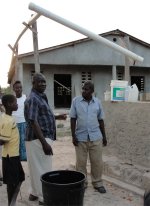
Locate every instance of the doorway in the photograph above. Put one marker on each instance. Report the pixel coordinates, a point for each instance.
(139, 81)
(62, 90)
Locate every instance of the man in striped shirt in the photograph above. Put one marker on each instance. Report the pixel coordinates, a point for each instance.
(40, 133)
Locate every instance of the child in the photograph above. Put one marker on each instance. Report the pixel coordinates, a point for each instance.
(13, 174)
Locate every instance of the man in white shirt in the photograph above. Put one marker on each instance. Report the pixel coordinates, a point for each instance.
(19, 118)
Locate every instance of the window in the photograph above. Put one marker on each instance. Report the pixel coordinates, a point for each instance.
(119, 75)
(86, 76)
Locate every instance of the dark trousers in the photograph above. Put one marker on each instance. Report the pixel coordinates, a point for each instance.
(12, 193)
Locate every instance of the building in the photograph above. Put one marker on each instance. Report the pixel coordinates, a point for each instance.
(68, 65)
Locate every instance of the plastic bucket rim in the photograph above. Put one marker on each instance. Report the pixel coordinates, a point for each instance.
(58, 184)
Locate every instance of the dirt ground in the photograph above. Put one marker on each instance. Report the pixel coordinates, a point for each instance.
(64, 158)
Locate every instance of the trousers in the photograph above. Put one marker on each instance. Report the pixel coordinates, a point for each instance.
(93, 149)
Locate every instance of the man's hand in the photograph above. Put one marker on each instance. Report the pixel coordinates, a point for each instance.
(2, 142)
(47, 149)
(104, 141)
(61, 117)
(75, 141)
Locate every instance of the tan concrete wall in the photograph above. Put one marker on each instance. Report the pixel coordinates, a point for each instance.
(128, 131)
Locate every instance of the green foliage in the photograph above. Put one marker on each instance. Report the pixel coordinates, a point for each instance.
(6, 90)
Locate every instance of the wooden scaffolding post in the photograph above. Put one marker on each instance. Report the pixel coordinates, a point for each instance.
(35, 46)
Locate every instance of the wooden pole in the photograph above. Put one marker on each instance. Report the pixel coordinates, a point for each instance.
(35, 46)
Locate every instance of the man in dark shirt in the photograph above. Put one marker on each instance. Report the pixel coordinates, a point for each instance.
(40, 133)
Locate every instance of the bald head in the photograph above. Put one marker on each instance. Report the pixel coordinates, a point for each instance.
(89, 84)
(39, 82)
(37, 76)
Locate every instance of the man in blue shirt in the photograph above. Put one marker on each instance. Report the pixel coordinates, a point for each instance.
(88, 134)
(40, 133)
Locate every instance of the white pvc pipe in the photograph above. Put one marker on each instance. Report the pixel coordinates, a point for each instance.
(84, 31)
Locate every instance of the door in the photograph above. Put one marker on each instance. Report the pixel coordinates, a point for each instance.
(139, 81)
(62, 90)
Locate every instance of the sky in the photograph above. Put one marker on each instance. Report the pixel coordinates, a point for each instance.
(98, 16)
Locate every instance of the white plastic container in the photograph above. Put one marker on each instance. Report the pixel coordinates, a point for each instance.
(131, 93)
(118, 88)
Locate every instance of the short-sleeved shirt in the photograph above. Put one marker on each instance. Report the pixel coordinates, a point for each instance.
(87, 116)
(37, 109)
(9, 132)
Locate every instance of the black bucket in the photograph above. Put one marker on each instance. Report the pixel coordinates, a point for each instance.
(63, 188)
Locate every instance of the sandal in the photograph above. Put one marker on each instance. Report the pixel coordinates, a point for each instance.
(32, 197)
(101, 189)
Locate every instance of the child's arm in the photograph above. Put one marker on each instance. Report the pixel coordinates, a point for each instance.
(2, 142)
(4, 139)
(5, 131)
